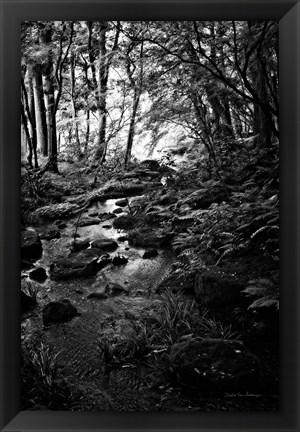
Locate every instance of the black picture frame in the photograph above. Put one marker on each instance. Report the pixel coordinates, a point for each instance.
(12, 13)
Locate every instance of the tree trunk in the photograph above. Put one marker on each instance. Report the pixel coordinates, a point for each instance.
(261, 126)
(58, 142)
(25, 126)
(74, 114)
(100, 87)
(32, 123)
(102, 92)
(28, 114)
(74, 111)
(50, 104)
(138, 88)
(51, 120)
(24, 144)
(87, 134)
(132, 126)
(40, 112)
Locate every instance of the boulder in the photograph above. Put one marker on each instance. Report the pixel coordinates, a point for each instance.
(150, 253)
(149, 239)
(125, 222)
(93, 214)
(122, 238)
(78, 264)
(119, 260)
(31, 245)
(217, 290)
(121, 203)
(114, 289)
(59, 311)
(121, 190)
(39, 274)
(80, 245)
(107, 216)
(118, 210)
(215, 366)
(105, 244)
(151, 164)
(50, 233)
(132, 189)
(88, 221)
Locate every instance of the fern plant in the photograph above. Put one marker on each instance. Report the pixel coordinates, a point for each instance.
(263, 292)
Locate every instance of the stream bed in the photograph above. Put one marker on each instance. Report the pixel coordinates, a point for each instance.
(76, 341)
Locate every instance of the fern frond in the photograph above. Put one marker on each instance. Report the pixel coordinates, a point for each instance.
(187, 252)
(265, 228)
(264, 302)
(268, 283)
(253, 291)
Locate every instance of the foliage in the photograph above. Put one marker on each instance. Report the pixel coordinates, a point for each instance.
(233, 228)
(173, 319)
(156, 84)
(125, 222)
(264, 293)
(31, 290)
(30, 194)
(159, 328)
(43, 383)
(212, 328)
(204, 96)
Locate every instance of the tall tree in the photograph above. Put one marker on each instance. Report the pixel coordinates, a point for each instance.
(40, 110)
(137, 86)
(105, 57)
(53, 79)
(73, 103)
(28, 116)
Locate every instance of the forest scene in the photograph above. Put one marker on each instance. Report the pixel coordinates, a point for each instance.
(149, 216)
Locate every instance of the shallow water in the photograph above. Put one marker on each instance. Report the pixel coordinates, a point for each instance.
(77, 340)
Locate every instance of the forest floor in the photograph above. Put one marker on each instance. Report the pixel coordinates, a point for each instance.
(144, 290)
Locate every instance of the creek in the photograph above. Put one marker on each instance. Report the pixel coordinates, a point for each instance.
(76, 341)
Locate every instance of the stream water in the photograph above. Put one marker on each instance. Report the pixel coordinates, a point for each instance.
(77, 340)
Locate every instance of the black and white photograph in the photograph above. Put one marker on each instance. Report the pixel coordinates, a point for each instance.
(150, 216)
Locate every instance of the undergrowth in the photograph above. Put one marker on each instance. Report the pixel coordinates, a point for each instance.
(43, 384)
(172, 320)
